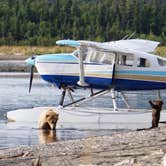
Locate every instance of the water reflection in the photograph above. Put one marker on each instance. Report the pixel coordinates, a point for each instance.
(47, 136)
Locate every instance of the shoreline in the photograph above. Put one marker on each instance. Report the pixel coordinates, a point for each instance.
(13, 66)
(17, 75)
(146, 147)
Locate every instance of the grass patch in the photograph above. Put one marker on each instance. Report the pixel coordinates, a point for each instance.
(161, 51)
(22, 52)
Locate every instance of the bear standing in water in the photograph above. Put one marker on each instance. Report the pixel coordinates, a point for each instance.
(156, 109)
(48, 120)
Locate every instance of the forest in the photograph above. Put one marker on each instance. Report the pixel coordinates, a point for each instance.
(42, 22)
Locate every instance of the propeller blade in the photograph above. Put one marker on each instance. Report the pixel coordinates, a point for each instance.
(31, 78)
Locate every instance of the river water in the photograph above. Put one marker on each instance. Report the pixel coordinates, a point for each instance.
(14, 95)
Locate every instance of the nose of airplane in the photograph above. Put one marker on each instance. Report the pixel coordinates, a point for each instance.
(31, 61)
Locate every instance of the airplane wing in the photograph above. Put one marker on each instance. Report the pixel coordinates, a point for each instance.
(121, 46)
(136, 44)
(98, 46)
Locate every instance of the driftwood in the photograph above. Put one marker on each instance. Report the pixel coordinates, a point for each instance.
(12, 155)
(7, 154)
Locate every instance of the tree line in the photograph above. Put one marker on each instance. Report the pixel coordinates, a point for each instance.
(42, 22)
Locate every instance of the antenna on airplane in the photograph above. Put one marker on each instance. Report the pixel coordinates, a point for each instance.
(128, 37)
(131, 35)
(125, 37)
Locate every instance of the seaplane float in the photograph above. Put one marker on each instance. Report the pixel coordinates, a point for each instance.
(124, 65)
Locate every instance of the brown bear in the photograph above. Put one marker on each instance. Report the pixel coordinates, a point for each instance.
(156, 108)
(48, 120)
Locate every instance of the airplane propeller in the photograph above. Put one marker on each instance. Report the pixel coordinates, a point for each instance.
(31, 78)
(31, 61)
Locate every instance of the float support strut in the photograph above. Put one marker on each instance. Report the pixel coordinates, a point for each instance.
(114, 100)
(62, 97)
(158, 94)
(125, 100)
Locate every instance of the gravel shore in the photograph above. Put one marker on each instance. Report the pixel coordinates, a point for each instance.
(136, 148)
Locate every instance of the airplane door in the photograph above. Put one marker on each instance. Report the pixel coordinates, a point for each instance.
(100, 68)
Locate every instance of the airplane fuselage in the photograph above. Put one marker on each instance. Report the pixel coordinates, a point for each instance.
(61, 69)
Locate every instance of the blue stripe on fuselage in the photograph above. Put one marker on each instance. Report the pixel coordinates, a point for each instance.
(105, 83)
(72, 80)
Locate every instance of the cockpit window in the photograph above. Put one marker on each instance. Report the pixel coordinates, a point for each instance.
(161, 62)
(142, 62)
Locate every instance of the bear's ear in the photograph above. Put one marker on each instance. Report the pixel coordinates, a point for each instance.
(47, 116)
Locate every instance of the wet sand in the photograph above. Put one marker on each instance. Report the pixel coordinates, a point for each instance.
(138, 148)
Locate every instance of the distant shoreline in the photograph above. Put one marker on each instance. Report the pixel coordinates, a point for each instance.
(13, 66)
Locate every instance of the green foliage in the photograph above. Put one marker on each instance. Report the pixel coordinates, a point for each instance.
(35, 22)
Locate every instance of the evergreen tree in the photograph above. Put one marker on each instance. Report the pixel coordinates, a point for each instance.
(42, 22)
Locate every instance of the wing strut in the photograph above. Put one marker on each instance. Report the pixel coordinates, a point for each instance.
(81, 81)
(113, 96)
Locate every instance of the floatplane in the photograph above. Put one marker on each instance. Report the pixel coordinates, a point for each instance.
(124, 65)
(103, 68)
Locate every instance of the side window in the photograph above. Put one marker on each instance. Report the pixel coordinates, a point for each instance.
(142, 62)
(126, 60)
(99, 57)
(107, 58)
(161, 62)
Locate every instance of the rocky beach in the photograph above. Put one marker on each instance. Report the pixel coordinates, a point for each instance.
(135, 148)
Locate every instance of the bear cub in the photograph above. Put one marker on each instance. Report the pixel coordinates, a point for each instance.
(48, 120)
(156, 109)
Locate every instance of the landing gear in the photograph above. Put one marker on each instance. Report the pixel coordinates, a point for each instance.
(114, 100)
(158, 94)
(92, 95)
(81, 100)
(123, 98)
(62, 97)
(68, 90)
